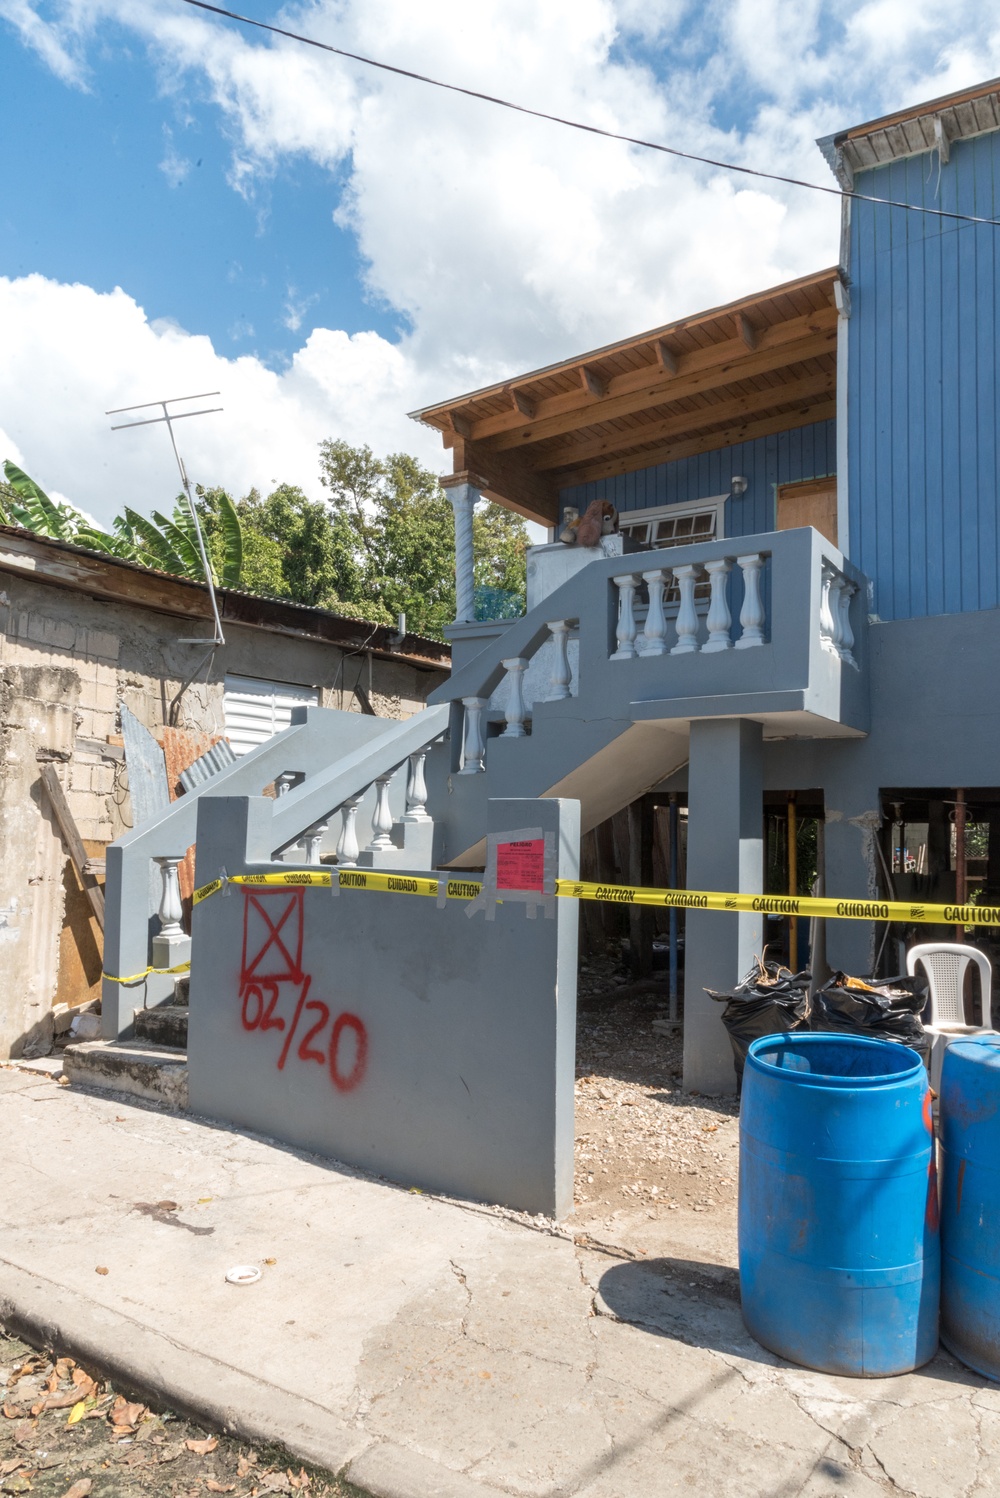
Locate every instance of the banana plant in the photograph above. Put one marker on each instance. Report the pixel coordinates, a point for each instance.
(170, 545)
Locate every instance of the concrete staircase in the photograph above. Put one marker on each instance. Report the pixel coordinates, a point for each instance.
(151, 1065)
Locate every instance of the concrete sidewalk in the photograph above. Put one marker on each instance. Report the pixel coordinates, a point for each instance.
(430, 1349)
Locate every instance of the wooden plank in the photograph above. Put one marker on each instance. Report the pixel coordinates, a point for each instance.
(814, 335)
(688, 422)
(70, 836)
(746, 431)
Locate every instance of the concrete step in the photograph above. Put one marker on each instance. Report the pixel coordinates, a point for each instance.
(149, 1071)
(167, 1024)
(182, 989)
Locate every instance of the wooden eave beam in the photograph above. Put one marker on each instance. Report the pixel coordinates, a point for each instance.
(745, 330)
(665, 357)
(706, 442)
(521, 403)
(659, 391)
(508, 479)
(592, 383)
(757, 402)
(701, 369)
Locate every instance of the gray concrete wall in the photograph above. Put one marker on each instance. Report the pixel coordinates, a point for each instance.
(464, 1082)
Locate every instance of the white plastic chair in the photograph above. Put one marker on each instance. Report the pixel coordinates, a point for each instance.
(945, 964)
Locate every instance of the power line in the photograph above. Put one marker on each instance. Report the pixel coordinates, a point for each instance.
(555, 119)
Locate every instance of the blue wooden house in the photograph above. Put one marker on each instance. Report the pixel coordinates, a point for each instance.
(796, 617)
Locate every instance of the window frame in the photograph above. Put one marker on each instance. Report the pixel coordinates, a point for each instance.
(717, 502)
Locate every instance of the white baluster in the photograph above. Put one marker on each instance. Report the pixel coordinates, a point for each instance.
(719, 618)
(171, 909)
(561, 673)
(347, 843)
(171, 947)
(687, 616)
(826, 624)
(381, 816)
(752, 612)
(312, 838)
(515, 714)
(416, 790)
(625, 633)
(845, 643)
(474, 746)
(654, 635)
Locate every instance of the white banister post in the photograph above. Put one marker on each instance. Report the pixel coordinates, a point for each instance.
(515, 714)
(845, 643)
(416, 790)
(381, 816)
(687, 616)
(347, 843)
(171, 948)
(561, 673)
(313, 838)
(171, 909)
(462, 497)
(654, 634)
(752, 612)
(625, 633)
(474, 746)
(826, 624)
(719, 618)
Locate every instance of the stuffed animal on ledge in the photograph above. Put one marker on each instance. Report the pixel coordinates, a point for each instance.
(600, 518)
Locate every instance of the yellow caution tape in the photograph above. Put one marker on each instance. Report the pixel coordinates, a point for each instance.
(806, 905)
(619, 894)
(371, 879)
(182, 967)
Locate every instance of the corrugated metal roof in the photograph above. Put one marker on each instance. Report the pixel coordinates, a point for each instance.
(95, 572)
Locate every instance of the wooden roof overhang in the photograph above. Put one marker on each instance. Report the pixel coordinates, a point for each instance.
(755, 367)
(931, 126)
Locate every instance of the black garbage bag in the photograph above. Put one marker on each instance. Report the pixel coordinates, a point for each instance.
(888, 1010)
(771, 998)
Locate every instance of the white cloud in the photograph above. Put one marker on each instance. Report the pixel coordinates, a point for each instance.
(503, 242)
(69, 354)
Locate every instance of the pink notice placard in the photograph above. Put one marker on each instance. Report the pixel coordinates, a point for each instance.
(521, 865)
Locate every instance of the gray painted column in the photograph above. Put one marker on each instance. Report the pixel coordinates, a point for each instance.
(462, 498)
(725, 852)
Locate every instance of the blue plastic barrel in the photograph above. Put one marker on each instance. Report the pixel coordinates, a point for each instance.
(970, 1202)
(838, 1208)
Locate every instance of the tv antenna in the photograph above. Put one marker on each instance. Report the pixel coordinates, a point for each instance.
(169, 418)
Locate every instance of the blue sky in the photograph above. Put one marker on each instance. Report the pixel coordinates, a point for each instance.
(120, 185)
(186, 205)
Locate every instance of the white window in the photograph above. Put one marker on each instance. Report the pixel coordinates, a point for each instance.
(678, 525)
(256, 710)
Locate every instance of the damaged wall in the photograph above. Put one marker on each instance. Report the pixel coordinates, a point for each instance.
(66, 659)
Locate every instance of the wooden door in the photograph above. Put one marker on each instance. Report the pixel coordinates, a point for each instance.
(811, 503)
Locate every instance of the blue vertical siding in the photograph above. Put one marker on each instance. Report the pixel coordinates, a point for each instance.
(922, 385)
(805, 453)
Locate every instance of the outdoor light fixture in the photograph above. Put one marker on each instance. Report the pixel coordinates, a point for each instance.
(737, 484)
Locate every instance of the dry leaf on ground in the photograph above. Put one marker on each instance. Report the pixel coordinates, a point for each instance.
(79, 1489)
(14, 1411)
(202, 1448)
(123, 1413)
(246, 1464)
(65, 1401)
(77, 1413)
(11, 1465)
(218, 1487)
(102, 1269)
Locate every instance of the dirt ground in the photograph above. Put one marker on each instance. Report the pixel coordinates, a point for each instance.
(640, 1141)
(66, 1434)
